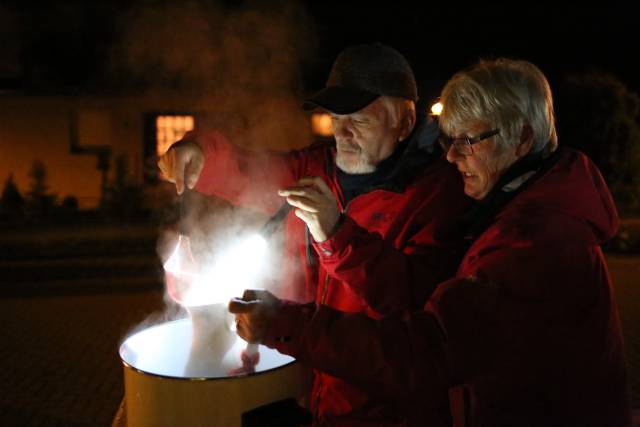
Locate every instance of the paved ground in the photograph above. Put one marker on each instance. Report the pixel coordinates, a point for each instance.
(67, 299)
(59, 358)
(625, 271)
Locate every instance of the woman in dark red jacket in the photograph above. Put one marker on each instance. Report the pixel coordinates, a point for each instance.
(527, 332)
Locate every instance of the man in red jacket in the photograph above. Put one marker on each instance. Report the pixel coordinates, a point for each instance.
(526, 333)
(373, 230)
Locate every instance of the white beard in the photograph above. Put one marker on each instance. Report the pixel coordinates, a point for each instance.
(359, 166)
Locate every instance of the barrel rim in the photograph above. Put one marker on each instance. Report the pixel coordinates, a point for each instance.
(228, 377)
(173, 377)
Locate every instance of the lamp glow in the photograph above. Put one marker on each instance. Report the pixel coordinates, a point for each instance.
(236, 269)
(436, 109)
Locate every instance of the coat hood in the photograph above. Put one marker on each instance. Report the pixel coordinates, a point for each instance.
(578, 191)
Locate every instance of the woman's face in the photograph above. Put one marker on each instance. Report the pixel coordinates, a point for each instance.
(482, 168)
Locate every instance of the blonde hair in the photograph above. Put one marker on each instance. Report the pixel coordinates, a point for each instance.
(506, 94)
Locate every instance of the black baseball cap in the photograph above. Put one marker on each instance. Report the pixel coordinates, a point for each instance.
(362, 73)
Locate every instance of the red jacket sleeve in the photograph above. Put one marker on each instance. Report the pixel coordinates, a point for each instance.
(398, 275)
(248, 178)
(394, 358)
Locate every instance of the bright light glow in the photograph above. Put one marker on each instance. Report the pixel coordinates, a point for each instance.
(236, 269)
(436, 109)
(321, 124)
(166, 349)
(180, 270)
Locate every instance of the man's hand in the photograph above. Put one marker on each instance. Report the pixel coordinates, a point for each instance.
(182, 164)
(254, 313)
(316, 206)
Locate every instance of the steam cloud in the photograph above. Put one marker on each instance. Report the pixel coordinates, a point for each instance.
(242, 64)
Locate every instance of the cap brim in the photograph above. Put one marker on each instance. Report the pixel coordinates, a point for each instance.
(340, 100)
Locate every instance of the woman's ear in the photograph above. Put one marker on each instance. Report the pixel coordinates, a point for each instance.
(526, 141)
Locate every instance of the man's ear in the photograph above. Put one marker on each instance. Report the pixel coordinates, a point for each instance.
(406, 124)
(526, 141)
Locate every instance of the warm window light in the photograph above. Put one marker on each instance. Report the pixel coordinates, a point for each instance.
(170, 129)
(436, 109)
(321, 124)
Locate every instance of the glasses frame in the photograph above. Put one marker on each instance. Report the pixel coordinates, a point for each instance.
(464, 146)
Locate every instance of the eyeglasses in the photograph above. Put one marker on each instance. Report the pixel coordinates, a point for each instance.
(464, 145)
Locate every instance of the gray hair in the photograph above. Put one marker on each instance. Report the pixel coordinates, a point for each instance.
(506, 94)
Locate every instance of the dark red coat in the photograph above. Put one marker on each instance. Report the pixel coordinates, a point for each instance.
(527, 329)
(394, 245)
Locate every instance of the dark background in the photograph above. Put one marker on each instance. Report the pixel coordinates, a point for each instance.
(440, 40)
(60, 45)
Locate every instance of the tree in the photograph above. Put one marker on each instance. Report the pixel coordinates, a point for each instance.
(12, 202)
(600, 116)
(39, 202)
(122, 198)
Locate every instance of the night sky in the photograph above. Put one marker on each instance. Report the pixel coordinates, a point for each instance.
(441, 40)
(60, 45)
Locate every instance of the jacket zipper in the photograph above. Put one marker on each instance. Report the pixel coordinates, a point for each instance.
(324, 288)
(317, 402)
(323, 298)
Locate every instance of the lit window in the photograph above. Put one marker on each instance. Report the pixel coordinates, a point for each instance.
(170, 129)
(321, 124)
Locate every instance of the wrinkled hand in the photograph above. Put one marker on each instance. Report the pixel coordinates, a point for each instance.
(182, 164)
(254, 312)
(316, 206)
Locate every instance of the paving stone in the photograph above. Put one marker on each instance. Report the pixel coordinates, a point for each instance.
(61, 366)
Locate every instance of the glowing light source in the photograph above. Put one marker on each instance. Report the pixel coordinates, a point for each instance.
(321, 124)
(180, 270)
(236, 269)
(436, 109)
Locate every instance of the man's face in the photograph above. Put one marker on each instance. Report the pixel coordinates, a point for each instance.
(365, 138)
